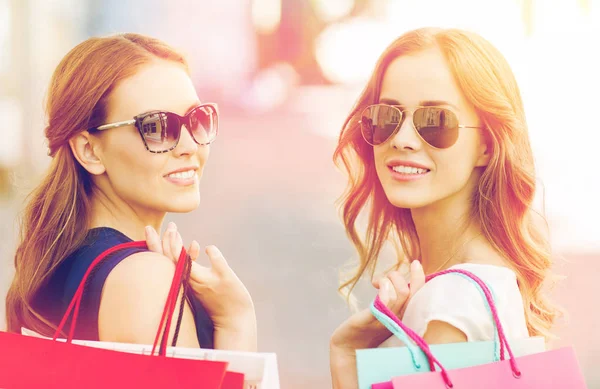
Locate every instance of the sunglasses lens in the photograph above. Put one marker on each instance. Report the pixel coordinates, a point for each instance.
(437, 126)
(378, 123)
(160, 130)
(204, 124)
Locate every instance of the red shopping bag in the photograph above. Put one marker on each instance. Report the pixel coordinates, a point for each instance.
(233, 381)
(550, 369)
(29, 362)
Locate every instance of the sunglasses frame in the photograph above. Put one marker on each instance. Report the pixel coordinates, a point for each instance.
(137, 121)
(402, 117)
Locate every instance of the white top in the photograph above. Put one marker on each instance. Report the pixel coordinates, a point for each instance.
(459, 302)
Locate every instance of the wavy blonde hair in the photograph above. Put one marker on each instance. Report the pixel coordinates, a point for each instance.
(502, 203)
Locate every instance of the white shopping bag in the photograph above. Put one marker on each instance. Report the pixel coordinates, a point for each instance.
(260, 369)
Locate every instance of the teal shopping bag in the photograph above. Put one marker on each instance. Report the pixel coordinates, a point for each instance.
(380, 365)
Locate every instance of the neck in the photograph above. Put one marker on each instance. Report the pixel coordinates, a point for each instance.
(108, 210)
(448, 234)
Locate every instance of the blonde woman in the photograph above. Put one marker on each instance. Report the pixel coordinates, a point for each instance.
(437, 150)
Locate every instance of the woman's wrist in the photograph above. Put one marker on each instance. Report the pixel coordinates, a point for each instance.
(239, 333)
(342, 363)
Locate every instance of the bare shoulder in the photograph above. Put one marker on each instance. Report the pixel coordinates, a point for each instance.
(145, 267)
(133, 300)
(439, 332)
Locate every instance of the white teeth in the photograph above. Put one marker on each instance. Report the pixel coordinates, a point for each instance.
(183, 175)
(408, 169)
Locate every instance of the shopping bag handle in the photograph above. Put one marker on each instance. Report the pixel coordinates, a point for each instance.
(420, 342)
(181, 278)
(414, 351)
(182, 264)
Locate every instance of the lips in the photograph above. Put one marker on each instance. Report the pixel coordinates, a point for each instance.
(403, 169)
(406, 171)
(183, 173)
(406, 166)
(399, 162)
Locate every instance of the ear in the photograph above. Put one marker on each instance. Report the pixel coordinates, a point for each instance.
(85, 149)
(484, 153)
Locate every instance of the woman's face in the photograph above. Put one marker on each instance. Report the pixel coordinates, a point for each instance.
(413, 173)
(156, 182)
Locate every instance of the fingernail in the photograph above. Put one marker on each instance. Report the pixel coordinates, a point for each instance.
(384, 291)
(148, 230)
(417, 264)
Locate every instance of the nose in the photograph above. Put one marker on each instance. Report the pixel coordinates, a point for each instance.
(406, 138)
(186, 144)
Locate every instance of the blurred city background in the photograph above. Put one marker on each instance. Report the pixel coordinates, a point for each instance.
(285, 73)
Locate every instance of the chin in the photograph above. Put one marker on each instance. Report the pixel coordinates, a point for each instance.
(408, 200)
(407, 203)
(183, 204)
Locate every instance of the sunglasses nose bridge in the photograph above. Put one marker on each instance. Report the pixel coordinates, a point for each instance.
(186, 143)
(186, 121)
(182, 121)
(184, 126)
(407, 119)
(403, 137)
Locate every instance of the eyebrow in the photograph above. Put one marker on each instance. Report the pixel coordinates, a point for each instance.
(197, 103)
(423, 103)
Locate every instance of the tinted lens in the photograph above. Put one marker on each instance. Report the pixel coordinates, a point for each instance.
(203, 124)
(160, 130)
(437, 126)
(378, 123)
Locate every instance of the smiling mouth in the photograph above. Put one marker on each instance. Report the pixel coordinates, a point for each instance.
(182, 175)
(408, 169)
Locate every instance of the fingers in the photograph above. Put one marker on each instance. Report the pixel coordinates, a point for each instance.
(166, 243)
(417, 280)
(200, 274)
(176, 244)
(153, 240)
(217, 260)
(375, 283)
(417, 277)
(401, 291)
(194, 250)
(394, 292)
(386, 292)
(204, 276)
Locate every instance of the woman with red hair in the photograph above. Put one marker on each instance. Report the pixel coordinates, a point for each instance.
(129, 139)
(438, 153)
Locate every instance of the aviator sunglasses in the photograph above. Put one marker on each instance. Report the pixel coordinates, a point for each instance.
(438, 127)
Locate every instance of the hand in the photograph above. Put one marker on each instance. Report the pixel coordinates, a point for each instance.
(363, 330)
(221, 292)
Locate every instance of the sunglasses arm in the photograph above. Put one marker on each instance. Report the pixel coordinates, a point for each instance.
(114, 125)
(480, 128)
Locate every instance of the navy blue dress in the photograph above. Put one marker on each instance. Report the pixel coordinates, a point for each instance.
(55, 297)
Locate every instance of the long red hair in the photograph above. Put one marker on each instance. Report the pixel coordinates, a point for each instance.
(56, 217)
(502, 203)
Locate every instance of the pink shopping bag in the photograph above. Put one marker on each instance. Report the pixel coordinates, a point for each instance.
(550, 369)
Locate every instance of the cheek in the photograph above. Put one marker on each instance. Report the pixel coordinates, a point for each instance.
(454, 167)
(203, 154)
(379, 159)
(132, 170)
